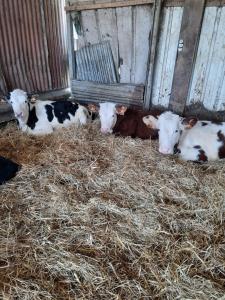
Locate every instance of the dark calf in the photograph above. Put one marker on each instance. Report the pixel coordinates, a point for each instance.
(131, 124)
(8, 169)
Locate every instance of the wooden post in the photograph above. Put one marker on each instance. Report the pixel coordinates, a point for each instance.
(188, 44)
(152, 54)
(70, 45)
(3, 86)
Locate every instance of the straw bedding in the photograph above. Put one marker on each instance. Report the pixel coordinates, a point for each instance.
(98, 217)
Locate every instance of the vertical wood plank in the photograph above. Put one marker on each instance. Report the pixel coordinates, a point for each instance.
(124, 25)
(212, 96)
(166, 55)
(190, 30)
(90, 27)
(152, 54)
(108, 30)
(70, 45)
(3, 86)
(204, 56)
(142, 25)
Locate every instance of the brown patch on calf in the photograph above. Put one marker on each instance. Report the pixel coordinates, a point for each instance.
(121, 109)
(202, 156)
(189, 122)
(93, 107)
(221, 150)
(131, 124)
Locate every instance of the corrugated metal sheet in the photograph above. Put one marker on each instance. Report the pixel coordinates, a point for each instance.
(95, 63)
(208, 84)
(166, 55)
(55, 23)
(32, 50)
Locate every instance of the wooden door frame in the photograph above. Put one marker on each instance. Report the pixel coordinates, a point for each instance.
(153, 41)
(187, 49)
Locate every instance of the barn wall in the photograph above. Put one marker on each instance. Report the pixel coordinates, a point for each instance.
(207, 88)
(208, 83)
(33, 52)
(203, 58)
(128, 30)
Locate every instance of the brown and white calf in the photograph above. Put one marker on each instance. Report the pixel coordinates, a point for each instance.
(193, 140)
(123, 121)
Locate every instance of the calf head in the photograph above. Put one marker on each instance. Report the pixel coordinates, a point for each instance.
(170, 128)
(108, 114)
(19, 101)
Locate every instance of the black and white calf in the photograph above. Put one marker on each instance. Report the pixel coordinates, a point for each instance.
(8, 169)
(193, 140)
(42, 117)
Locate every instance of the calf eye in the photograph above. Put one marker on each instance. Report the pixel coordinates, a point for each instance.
(176, 130)
(25, 101)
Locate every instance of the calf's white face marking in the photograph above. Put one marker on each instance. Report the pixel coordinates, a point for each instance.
(18, 100)
(108, 114)
(108, 117)
(170, 127)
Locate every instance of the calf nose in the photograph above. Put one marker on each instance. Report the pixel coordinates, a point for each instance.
(104, 130)
(19, 115)
(165, 151)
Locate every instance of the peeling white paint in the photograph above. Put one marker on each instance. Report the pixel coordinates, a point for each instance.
(166, 55)
(208, 84)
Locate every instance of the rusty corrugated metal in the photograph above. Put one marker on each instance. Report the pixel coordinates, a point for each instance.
(32, 44)
(55, 24)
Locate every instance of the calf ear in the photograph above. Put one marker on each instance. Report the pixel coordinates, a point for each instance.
(4, 98)
(121, 109)
(33, 98)
(93, 107)
(150, 122)
(189, 122)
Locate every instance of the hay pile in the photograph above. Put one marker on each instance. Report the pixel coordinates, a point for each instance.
(98, 217)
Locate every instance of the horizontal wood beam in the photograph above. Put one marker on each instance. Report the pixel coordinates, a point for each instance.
(175, 3)
(90, 6)
(79, 6)
(87, 91)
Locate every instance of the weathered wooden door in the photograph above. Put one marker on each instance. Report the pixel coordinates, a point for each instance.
(126, 26)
